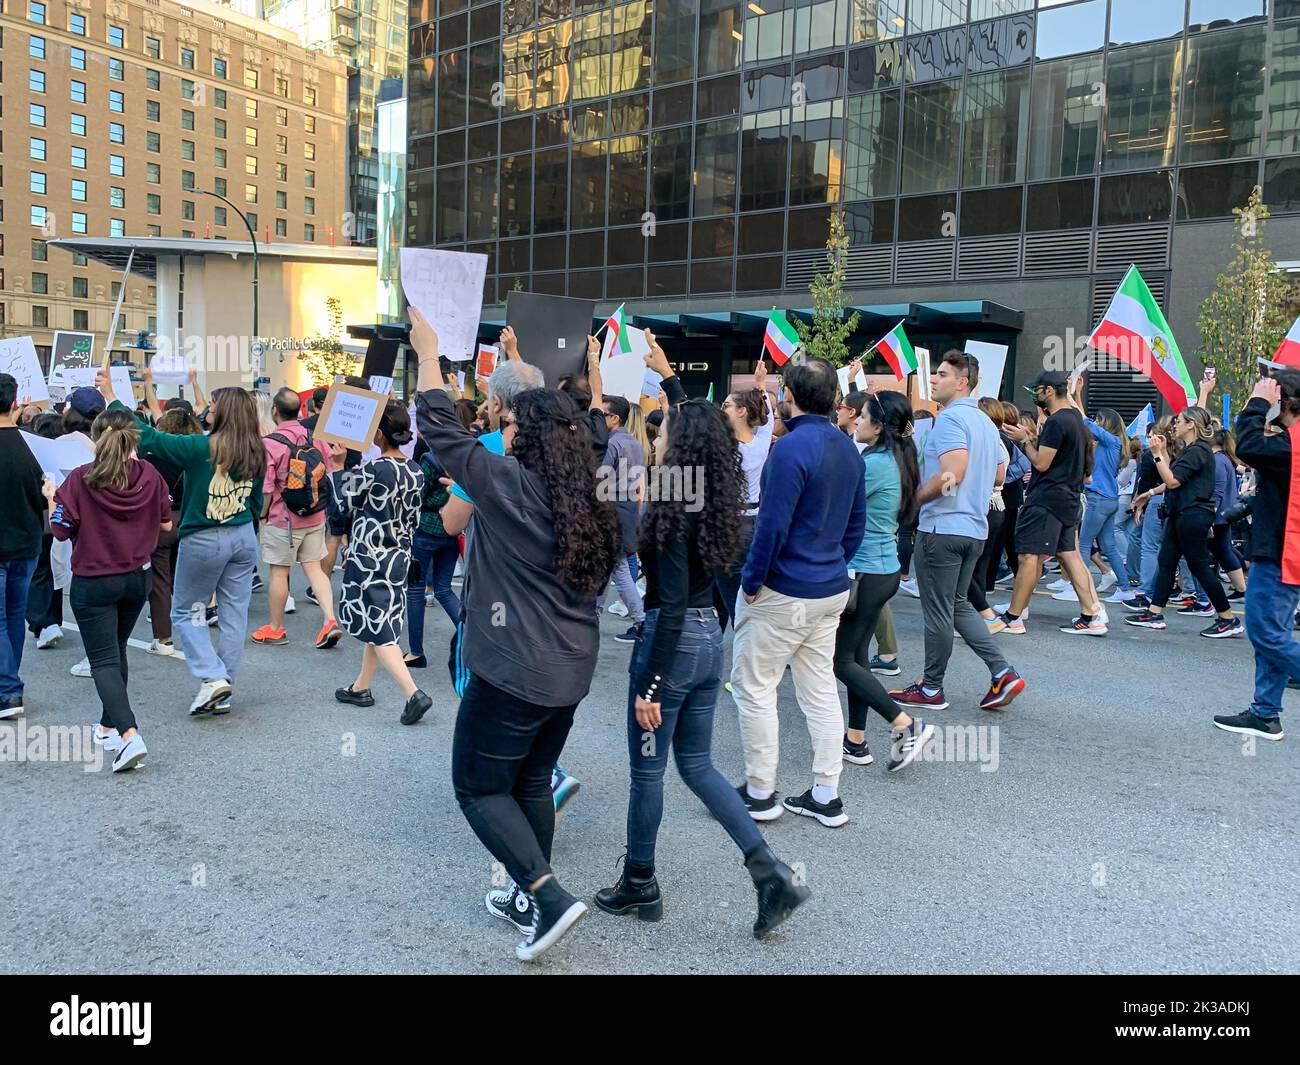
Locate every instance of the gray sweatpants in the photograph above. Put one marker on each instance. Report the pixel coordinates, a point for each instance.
(943, 565)
(221, 560)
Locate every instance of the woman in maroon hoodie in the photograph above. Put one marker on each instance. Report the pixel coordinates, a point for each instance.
(112, 510)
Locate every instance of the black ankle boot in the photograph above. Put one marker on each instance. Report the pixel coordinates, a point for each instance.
(778, 892)
(637, 889)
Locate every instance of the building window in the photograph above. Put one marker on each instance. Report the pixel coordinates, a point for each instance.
(282, 145)
(187, 58)
(40, 253)
(281, 227)
(77, 90)
(77, 24)
(309, 123)
(187, 210)
(36, 47)
(38, 216)
(309, 150)
(219, 216)
(996, 141)
(219, 98)
(250, 164)
(36, 150)
(116, 36)
(78, 222)
(250, 108)
(116, 70)
(117, 133)
(219, 67)
(250, 193)
(309, 179)
(153, 47)
(281, 172)
(153, 231)
(250, 78)
(117, 227)
(79, 190)
(281, 200)
(36, 182)
(250, 136)
(117, 165)
(252, 218)
(281, 116)
(219, 128)
(309, 205)
(187, 149)
(153, 173)
(187, 119)
(81, 287)
(1064, 122)
(931, 136)
(1140, 98)
(36, 81)
(153, 141)
(116, 196)
(36, 114)
(78, 259)
(36, 13)
(281, 86)
(80, 319)
(187, 89)
(153, 203)
(116, 101)
(77, 58)
(187, 179)
(40, 283)
(308, 232)
(153, 110)
(309, 97)
(78, 125)
(219, 186)
(41, 317)
(219, 157)
(152, 79)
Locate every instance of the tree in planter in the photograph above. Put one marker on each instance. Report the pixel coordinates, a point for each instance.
(826, 337)
(1249, 310)
(326, 359)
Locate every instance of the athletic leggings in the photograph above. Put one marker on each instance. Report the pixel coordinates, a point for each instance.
(987, 565)
(853, 649)
(1187, 536)
(1224, 553)
(906, 545)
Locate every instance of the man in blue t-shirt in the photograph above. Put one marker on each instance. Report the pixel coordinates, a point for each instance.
(961, 462)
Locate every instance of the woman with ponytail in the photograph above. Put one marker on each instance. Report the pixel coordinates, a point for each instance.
(378, 503)
(544, 546)
(112, 510)
(890, 479)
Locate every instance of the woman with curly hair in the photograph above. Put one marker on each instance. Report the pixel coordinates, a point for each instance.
(676, 665)
(544, 546)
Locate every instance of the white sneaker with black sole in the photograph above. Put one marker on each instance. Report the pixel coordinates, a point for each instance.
(210, 694)
(857, 753)
(513, 906)
(131, 755)
(109, 739)
(768, 809)
(831, 814)
(909, 743)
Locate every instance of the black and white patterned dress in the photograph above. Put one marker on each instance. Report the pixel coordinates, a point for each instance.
(379, 502)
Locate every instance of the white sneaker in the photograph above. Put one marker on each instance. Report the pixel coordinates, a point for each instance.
(1121, 595)
(1107, 581)
(49, 636)
(290, 606)
(1066, 595)
(910, 588)
(1058, 586)
(160, 648)
(1002, 608)
(131, 755)
(1103, 617)
(618, 609)
(110, 739)
(81, 669)
(210, 694)
(11, 711)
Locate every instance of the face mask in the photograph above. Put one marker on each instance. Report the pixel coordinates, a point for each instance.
(1040, 403)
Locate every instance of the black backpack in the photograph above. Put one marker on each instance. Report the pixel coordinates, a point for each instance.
(304, 491)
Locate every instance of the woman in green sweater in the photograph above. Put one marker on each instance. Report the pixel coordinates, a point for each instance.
(218, 547)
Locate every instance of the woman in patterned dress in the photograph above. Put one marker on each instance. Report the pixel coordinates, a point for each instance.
(379, 504)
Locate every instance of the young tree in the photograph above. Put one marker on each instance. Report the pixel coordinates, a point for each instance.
(826, 337)
(1249, 310)
(326, 359)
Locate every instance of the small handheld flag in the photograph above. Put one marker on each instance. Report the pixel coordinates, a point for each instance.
(897, 350)
(617, 326)
(1288, 352)
(1138, 426)
(779, 338)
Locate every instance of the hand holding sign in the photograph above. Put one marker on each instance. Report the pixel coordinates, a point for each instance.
(350, 417)
(657, 360)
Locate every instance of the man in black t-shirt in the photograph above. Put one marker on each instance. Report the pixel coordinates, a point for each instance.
(1048, 523)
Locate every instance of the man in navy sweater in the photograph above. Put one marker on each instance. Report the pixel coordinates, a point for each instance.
(794, 586)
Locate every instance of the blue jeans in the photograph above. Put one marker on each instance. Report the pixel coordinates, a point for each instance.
(435, 563)
(686, 703)
(1270, 617)
(1130, 542)
(220, 559)
(1099, 525)
(15, 580)
(1152, 532)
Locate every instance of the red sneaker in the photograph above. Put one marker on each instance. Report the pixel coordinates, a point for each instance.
(1004, 689)
(914, 695)
(268, 635)
(329, 635)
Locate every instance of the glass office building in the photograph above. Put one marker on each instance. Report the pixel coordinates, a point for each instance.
(999, 163)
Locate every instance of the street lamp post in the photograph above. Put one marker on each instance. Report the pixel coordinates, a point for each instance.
(256, 343)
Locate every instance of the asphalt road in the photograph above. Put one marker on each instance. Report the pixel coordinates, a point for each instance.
(1114, 831)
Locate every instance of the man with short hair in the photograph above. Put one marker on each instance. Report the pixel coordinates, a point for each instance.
(1048, 523)
(621, 470)
(794, 585)
(287, 537)
(21, 481)
(961, 462)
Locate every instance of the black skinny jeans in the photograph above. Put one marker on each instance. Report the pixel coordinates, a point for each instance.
(853, 649)
(1221, 546)
(503, 752)
(987, 564)
(726, 583)
(1187, 536)
(106, 609)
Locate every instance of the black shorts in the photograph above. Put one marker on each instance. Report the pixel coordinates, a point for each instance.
(1040, 532)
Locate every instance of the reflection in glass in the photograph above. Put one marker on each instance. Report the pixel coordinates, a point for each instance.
(982, 9)
(630, 60)
(481, 211)
(871, 145)
(1004, 43)
(816, 153)
(1213, 191)
(626, 247)
(764, 158)
(627, 179)
(714, 237)
(671, 243)
(516, 195)
(1223, 95)
(551, 182)
(935, 14)
(718, 97)
(1070, 30)
(587, 250)
(1134, 21)
(1131, 198)
(588, 168)
(1216, 14)
(768, 30)
(663, 281)
(419, 209)
(670, 173)
(997, 128)
(590, 55)
(717, 166)
(762, 233)
(673, 105)
(1284, 91)
(926, 217)
(517, 66)
(870, 223)
(875, 66)
(720, 35)
(766, 88)
(931, 136)
(936, 55)
(1141, 107)
(988, 212)
(674, 54)
(452, 89)
(808, 228)
(822, 77)
(822, 25)
(876, 20)
(630, 114)
(484, 73)
(758, 275)
(1282, 184)
(1065, 118)
(711, 276)
(1060, 205)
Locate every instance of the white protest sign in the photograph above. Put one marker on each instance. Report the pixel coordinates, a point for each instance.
(380, 384)
(18, 359)
(447, 288)
(842, 372)
(624, 373)
(1077, 372)
(350, 417)
(460, 380)
(169, 369)
(58, 457)
(120, 377)
(993, 363)
(652, 385)
(923, 373)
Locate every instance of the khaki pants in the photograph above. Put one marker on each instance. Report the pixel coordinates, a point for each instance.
(773, 631)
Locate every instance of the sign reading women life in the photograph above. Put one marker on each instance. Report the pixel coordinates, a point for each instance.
(447, 288)
(350, 417)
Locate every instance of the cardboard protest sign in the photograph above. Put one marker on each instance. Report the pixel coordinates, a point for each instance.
(552, 332)
(18, 359)
(350, 417)
(447, 288)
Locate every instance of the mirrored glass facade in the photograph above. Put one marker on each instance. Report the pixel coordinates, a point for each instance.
(656, 149)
